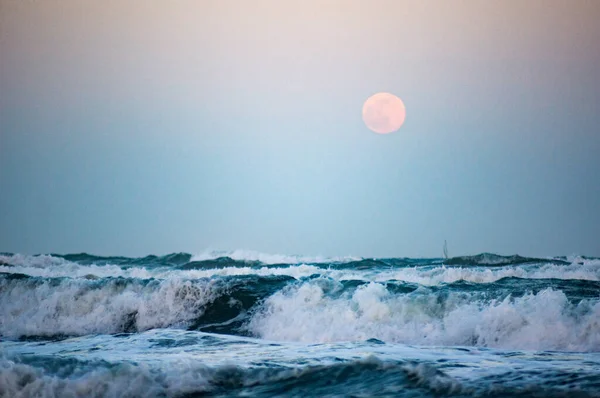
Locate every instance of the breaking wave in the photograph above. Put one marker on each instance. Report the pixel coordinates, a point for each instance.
(320, 311)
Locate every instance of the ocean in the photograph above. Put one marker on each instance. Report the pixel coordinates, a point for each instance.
(249, 324)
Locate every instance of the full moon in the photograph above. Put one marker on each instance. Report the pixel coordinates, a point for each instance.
(383, 113)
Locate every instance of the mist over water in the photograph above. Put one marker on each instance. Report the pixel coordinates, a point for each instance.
(247, 323)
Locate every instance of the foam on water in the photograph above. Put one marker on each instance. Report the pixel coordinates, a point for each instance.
(21, 380)
(78, 306)
(429, 276)
(297, 271)
(270, 259)
(309, 312)
(171, 362)
(24, 260)
(104, 380)
(74, 270)
(52, 267)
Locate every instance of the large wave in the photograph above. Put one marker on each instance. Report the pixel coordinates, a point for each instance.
(49, 307)
(55, 307)
(312, 312)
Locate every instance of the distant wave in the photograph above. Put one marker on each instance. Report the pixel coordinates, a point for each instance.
(495, 259)
(248, 257)
(270, 259)
(236, 257)
(482, 268)
(589, 270)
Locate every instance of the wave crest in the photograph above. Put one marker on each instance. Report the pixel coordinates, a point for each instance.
(496, 259)
(50, 307)
(308, 312)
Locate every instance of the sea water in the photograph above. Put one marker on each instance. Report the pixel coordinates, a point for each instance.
(250, 324)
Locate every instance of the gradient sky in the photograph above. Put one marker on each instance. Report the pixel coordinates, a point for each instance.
(136, 127)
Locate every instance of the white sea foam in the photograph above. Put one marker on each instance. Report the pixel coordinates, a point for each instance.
(40, 261)
(79, 307)
(56, 267)
(270, 259)
(74, 270)
(20, 380)
(298, 271)
(542, 321)
(589, 270)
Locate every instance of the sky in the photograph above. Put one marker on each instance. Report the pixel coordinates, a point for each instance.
(142, 126)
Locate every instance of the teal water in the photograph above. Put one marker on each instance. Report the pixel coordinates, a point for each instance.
(251, 324)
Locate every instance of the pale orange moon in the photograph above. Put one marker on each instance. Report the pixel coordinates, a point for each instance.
(383, 113)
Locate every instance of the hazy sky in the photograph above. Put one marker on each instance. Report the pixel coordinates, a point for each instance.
(136, 127)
